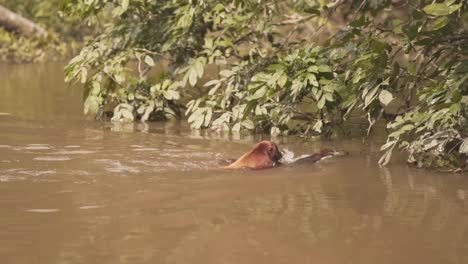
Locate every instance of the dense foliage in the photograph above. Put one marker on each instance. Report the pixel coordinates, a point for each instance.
(64, 33)
(286, 67)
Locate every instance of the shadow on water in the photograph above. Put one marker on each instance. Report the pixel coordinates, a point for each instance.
(78, 191)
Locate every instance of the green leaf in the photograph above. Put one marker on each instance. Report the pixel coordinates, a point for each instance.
(411, 31)
(313, 69)
(386, 157)
(318, 126)
(119, 78)
(324, 68)
(282, 80)
(396, 25)
(437, 9)
(226, 73)
(361, 21)
(147, 113)
(96, 88)
(248, 124)
(124, 5)
(321, 102)
(199, 68)
(260, 110)
(171, 95)
(149, 61)
(438, 23)
(127, 114)
(358, 75)
(441, 9)
(455, 108)
(84, 75)
(431, 144)
(208, 116)
(275, 131)
(370, 96)
(236, 127)
(412, 68)
(192, 77)
(141, 109)
(169, 113)
(464, 146)
(385, 97)
(198, 122)
(91, 105)
(388, 144)
(454, 8)
(312, 79)
(196, 114)
(258, 94)
(275, 67)
(210, 83)
(328, 97)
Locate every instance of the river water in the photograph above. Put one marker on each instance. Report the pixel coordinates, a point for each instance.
(74, 190)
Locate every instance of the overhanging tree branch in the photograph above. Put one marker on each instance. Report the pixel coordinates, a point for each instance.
(14, 22)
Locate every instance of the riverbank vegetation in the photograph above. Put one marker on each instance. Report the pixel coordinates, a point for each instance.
(39, 31)
(304, 67)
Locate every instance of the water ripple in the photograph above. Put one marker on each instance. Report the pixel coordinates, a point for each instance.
(87, 207)
(48, 158)
(45, 210)
(117, 166)
(72, 152)
(36, 147)
(145, 149)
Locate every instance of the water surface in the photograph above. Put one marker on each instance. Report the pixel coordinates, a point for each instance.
(74, 190)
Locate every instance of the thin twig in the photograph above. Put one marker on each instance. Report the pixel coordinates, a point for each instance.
(154, 53)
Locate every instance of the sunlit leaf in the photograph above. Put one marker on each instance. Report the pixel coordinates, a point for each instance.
(127, 114)
(275, 131)
(208, 116)
(385, 97)
(199, 68)
(321, 102)
(318, 126)
(385, 157)
(198, 122)
(149, 61)
(248, 124)
(210, 83)
(370, 96)
(441, 9)
(148, 111)
(438, 23)
(236, 127)
(464, 146)
(324, 68)
(282, 80)
(390, 143)
(312, 79)
(193, 75)
(258, 94)
(313, 69)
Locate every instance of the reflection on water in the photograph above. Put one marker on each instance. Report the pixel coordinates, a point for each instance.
(78, 191)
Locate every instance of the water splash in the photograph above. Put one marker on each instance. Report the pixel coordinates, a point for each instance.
(288, 156)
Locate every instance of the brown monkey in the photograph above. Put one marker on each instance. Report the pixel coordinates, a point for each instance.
(264, 155)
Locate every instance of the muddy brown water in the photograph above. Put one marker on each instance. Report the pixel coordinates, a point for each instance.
(78, 191)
